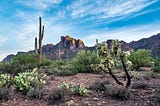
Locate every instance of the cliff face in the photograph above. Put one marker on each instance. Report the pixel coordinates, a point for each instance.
(66, 48)
(71, 43)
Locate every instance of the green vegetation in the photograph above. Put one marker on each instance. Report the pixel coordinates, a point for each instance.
(55, 96)
(141, 58)
(20, 63)
(118, 92)
(61, 68)
(5, 79)
(156, 67)
(73, 88)
(34, 93)
(25, 81)
(83, 60)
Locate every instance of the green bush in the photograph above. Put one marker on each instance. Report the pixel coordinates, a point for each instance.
(73, 88)
(25, 81)
(5, 79)
(5, 68)
(156, 67)
(61, 68)
(34, 93)
(117, 92)
(4, 93)
(46, 62)
(23, 62)
(55, 96)
(99, 86)
(141, 58)
(63, 71)
(83, 60)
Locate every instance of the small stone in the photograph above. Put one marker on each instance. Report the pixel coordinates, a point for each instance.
(95, 98)
(103, 102)
(99, 104)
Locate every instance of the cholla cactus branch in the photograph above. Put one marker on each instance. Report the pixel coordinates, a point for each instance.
(107, 59)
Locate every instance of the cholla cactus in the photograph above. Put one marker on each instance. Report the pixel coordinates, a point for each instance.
(107, 56)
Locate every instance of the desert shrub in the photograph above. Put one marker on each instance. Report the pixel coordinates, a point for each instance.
(46, 62)
(83, 60)
(5, 68)
(63, 71)
(34, 93)
(5, 79)
(156, 67)
(99, 86)
(73, 88)
(61, 68)
(23, 62)
(139, 85)
(4, 93)
(141, 58)
(55, 96)
(135, 74)
(25, 81)
(149, 75)
(118, 92)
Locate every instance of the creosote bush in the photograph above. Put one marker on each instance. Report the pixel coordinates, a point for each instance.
(4, 93)
(61, 68)
(139, 85)
(20, 63)
(141, 58)
(156, 67)
(99, 86)
(83, 60)
(118, 92)
(34, 93)
(46, 62)
(55, 96)
(149, 75)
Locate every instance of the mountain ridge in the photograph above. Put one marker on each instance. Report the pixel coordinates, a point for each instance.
(68, 47)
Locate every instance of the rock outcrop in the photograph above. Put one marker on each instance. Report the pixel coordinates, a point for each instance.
(71, 43)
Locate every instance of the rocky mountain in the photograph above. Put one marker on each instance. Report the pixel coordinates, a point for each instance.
(152, 43)
(68, 47)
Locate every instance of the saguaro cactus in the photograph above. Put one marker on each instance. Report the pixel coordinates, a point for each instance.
(38, 51)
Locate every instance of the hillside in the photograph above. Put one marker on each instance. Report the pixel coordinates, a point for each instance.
(69, 46)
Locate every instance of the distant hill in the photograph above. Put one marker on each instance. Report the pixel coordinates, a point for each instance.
(152, 43)
(69, 47)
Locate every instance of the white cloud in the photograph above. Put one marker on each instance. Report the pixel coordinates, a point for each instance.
(107, 8)
(38, 4)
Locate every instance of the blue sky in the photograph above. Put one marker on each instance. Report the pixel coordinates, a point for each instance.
(85, 19)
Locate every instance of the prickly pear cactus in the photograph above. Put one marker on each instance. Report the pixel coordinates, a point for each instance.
(107, 57)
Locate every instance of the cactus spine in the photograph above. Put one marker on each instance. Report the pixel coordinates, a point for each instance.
(38, 51)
